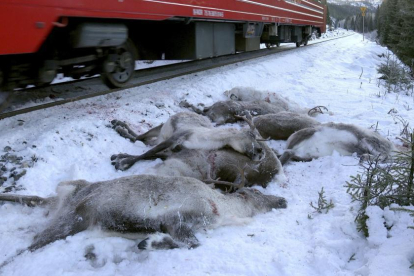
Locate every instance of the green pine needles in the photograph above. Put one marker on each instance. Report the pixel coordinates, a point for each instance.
(394, 76)
(382, 184)
(395, 24)
(323, 205)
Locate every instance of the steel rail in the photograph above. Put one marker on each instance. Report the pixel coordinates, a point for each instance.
(142, 77)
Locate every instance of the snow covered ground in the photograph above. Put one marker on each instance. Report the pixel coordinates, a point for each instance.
(74, 141)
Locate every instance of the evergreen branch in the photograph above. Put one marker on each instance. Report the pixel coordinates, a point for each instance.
(322, 203)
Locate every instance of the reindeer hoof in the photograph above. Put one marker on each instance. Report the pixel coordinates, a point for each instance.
(143, 244)
(121, 167)
(184, 104)
(122, 161)
(114, 157)
(158, 241)
(116, 123)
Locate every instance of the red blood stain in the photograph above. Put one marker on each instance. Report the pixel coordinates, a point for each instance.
(214, 207)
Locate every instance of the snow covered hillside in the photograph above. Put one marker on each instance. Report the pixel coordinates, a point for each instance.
(372, 3)
(74, 141)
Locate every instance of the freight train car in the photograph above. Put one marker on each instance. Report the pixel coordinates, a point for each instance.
(41, 38)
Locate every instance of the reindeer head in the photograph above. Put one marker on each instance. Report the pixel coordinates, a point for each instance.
(260, 201)
(222, 112)
(232, 93)
(253, 149)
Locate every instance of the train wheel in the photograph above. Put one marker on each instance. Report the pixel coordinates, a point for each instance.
(268, 45)
(1, 79)
(277, 44)
(119, 66)
(47, 72)
(5, 97)
(297, 44)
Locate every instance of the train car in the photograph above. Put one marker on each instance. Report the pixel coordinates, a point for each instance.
(41, 38)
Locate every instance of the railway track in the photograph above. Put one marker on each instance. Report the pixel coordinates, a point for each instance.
(72, 91)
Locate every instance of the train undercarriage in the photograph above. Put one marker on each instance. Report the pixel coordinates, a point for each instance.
(86, 47)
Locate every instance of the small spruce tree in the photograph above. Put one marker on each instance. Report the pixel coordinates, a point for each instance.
(395, 75)
(323, 205)
(383, 184)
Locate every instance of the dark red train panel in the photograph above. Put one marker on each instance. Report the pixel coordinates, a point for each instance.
(25, 24)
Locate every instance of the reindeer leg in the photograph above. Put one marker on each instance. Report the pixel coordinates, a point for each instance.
(150, 134)
(30, 201)
(158, 241)
(125, 131)
(290, 155)
(286, 156)
(119, 160)
(61, 227)
(124, 161)
(182, 233)
(193, 107)
(178, 234)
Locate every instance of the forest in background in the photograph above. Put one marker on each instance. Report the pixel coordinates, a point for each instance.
(350, 17)
(395, 25)
(393, 19)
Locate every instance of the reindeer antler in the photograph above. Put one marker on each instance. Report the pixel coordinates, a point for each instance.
(227, 183)
(317, 109)
(263, 140)
(247, 117)
(249, 120)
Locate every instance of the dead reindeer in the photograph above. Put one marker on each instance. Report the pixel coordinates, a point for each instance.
(281, 125)
(158, 134)
(177, 133)
(241, 93)
(346, 139)
(250, 94)
(169, 208)
(223, 164)
(227, 111)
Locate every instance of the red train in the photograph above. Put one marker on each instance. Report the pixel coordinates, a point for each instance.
(40, 38)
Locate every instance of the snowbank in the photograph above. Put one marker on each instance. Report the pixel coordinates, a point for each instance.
(75, 141)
